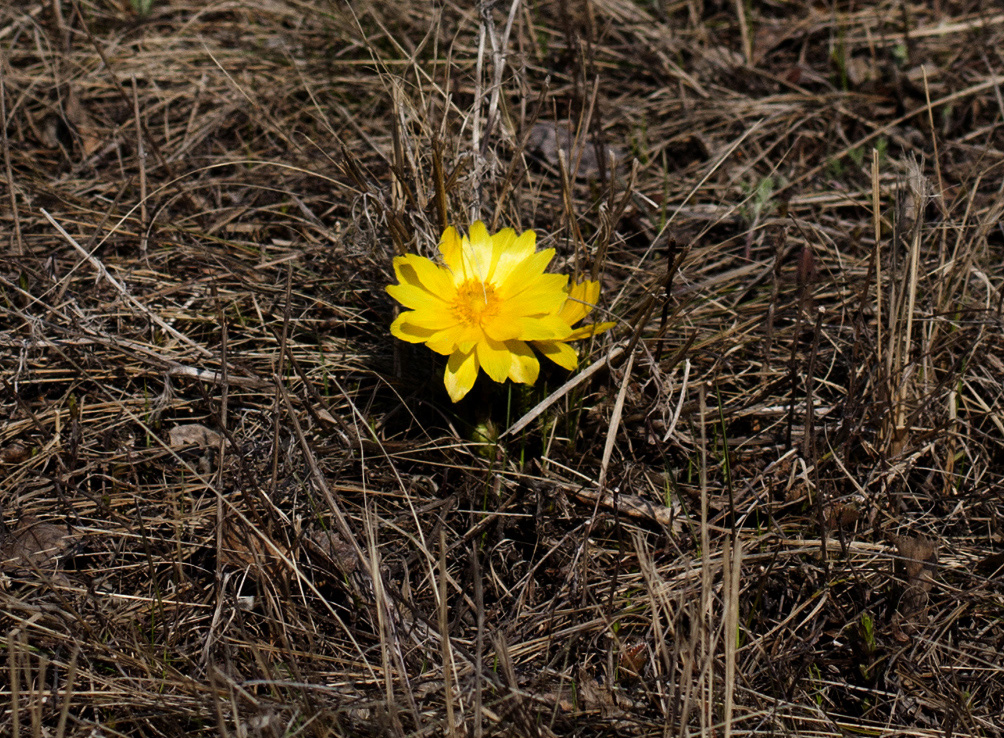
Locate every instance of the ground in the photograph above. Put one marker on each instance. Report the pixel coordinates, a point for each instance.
(767, 502)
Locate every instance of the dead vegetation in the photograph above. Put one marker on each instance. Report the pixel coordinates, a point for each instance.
(768, 504)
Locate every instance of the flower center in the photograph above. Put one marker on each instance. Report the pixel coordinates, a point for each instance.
(476, 302)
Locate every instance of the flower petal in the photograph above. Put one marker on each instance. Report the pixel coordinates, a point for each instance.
(494, 358)
(526, 274)
(587, 331)
(415, 298)
(546, 327)
(461, 372)
(510, 251)
(524, 367)
(479, 252)
(451, 246)
(459, 336)
(544, 293)
(581, 300)
(424, 273)
(537, 328)
(433, 320)
(502, 330)
(559, 352)
(403, 328)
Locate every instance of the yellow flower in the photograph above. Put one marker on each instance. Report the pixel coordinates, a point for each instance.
(482, 305)
(582, 298)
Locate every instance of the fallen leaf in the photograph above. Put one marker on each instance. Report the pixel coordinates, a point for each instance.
(841, 515)
(33, 545)
(548, 140)
(14, 453)
(193, 434)
(81, 123)
(593, 696)
(860, 70)
(716, 59)
(632, 661)
(244, 546)
(915, 569)
(334, 548)
(991, 566)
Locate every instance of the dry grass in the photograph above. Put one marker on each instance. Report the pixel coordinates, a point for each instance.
(233, 505)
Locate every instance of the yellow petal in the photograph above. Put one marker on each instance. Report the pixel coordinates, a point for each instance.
(526, 274)
(537, 328)
(581, 300)
(415, 298)
(511, 252)
(524, 366)
(402, 328)
(499, 244)
(432, 320)
(546, 294)
(587, 291)
(546, 327)
(458, 336)
(424, 273)
(478, 253)
(451, 246)
(494, 358)
(502, 330)
(559, 352)
(461, 372)
(503, 241)
(478, 236)
(586, 331)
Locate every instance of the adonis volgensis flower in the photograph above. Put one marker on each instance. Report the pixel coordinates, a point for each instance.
(487, 302)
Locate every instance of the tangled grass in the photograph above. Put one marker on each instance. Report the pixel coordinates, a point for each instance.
(769, 502)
